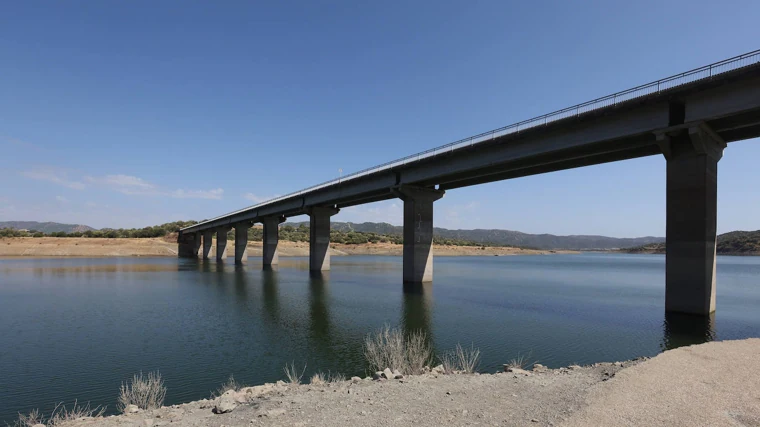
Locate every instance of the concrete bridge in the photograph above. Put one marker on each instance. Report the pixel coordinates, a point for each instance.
(688, 119)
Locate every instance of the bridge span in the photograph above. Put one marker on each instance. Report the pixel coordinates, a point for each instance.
(688, 119)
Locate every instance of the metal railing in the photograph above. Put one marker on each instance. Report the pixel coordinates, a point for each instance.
(656, 87)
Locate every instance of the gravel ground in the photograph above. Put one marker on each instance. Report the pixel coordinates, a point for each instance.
(714, 384)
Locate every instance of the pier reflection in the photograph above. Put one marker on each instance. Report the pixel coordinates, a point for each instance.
(319, 313)
(684, 329)
(416, 311)
(270, 293)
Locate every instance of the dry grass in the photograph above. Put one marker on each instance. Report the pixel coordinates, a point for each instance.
(320, 378)
(520, 362)
(145, 392)
(387, 348)
(291, 373)
(29, 420)
(62, 415)
(231, 384)
(460, 360)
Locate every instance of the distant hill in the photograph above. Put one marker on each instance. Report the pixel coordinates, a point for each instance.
(506, 237)
(733, 243)
(45, 227)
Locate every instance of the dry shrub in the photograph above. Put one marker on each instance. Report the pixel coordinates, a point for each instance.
(29, 420)
(291, 373)
(464, 360)
(320, 378)
(145, 392)
(62, 415)
(231, 384)
(387, 348)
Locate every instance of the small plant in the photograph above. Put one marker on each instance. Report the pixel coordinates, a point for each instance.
(320, 378)
(464, 360)
(387, 348)
(291, 373)
(144, 392)
(62, 415)
(231, 384)
(520, 362)
(29, 420)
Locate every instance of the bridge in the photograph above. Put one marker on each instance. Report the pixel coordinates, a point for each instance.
(687, 118)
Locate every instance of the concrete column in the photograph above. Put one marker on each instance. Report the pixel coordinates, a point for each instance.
(319, 237)
(208, 246)
(418, 232)
(241, 242)
(271, 239)
(692, 188)
(188, 245)
(221, 243)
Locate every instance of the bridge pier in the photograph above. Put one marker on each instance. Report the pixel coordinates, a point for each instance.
(188, 245)
(692, 188)
(319, 237)
(241, 242)
(208, 243)
(271, 239)
(418, 232)
(221, 243)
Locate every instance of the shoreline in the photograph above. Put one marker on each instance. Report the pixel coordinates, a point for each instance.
(82, 247)
(715, 383)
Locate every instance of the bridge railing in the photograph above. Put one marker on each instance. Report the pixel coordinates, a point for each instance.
(656, 87)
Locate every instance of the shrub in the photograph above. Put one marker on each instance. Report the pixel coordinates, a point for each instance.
(62, 415)
(231, 384)
(144, 392)
(387, 348)
(291, 373)
(464, 360)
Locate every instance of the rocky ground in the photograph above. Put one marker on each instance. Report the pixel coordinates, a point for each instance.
(156, 247)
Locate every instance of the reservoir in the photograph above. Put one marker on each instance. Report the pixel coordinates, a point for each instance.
(75, 328)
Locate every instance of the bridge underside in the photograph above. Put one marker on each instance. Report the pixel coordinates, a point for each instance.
(689, 127)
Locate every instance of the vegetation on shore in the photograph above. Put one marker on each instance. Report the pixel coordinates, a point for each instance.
(733, 243)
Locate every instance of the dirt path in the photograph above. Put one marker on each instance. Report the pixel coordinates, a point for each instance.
(157, 247)
(714, 384)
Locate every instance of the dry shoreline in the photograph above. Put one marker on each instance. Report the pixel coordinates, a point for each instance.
(712, 384)
(160, 247)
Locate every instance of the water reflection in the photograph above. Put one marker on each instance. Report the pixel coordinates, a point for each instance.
(685, 329)
(416, 310)
(318, 306)
(270, 293)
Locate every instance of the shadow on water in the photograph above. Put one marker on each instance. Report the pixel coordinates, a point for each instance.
(270, 293)
(416, 311)
(685, 329)
(318, 306)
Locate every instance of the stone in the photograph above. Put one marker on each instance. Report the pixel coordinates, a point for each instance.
(397, 373)
(398, 376)
(388, 374)
(377, 375)
(281, 383)
(573, 367)
(355, 379)
(438, 370)
(225, 403)
(518, 371)
(537, 367)
(131, 409)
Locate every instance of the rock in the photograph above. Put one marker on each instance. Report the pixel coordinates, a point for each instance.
(377, 375)
(225, 403)
(438, 370)
(271, 413)
(355, 379)
(573, 367)
(281, 383)
(518, 371)
(131, 409)
(388, 374)
(537, 367)
(397, 374)
(241, 397)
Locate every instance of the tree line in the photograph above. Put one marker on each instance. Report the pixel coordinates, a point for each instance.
(287, 233)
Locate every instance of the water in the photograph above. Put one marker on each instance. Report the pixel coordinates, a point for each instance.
(76, 328)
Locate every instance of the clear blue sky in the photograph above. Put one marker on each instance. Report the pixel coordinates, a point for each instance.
(125, 114)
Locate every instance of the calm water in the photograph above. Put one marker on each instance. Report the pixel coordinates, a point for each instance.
(75, 328)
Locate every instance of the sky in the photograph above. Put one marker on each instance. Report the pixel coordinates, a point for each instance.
(129, 114)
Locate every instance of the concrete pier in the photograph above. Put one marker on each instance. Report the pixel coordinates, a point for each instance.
(692, 187)
(221, 243)
(208, 243)
(241, 242)
(319, 237)
(418, 232)
(271, 239)
(188, 245)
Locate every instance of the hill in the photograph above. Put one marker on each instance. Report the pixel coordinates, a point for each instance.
(45, 227)
(732, 243)
(504, 237)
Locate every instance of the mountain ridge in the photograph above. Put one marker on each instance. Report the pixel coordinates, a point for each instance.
(45, 227)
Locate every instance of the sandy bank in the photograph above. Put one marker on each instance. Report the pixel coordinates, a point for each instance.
(156, 247)
(714, 384)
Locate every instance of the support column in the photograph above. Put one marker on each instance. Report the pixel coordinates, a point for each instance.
(221, 243)
(271, 239)
(692, 188)
(188, 245)
(418, 232)
(208, 246)
(319, 237)
(241, 242)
